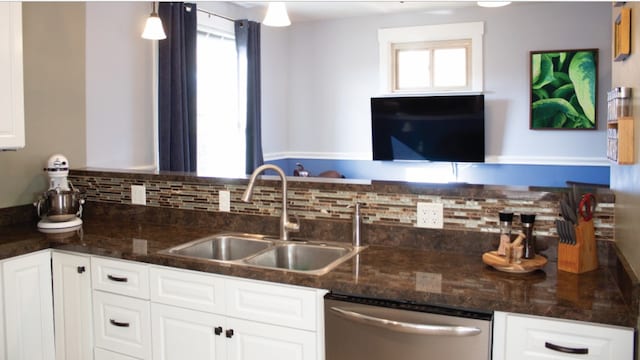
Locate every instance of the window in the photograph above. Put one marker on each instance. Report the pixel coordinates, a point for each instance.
(429, 66)
(434, 58)
(221, 140)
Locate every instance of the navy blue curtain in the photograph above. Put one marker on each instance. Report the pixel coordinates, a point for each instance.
(248, 47)
(177, 112)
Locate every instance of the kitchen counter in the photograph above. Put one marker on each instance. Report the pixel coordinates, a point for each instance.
(424, 276)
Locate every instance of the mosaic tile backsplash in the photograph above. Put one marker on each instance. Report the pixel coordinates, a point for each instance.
(468, 211)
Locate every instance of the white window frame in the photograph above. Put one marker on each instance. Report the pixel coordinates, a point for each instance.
(387, 38)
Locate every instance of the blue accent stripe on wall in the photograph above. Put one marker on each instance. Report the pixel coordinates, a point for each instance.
(477, 173)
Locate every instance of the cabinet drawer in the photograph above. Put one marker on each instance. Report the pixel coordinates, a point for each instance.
(273, 304)
(120, 277)
(122, 324)
(102, 354)
(532, 337)
(187, 289)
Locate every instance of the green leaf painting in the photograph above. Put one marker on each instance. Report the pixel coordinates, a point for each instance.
(563, 89)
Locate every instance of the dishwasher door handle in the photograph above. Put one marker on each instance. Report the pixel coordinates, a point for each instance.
(406, 327)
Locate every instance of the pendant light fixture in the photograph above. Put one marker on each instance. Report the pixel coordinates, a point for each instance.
(277, 15)
(153, 29)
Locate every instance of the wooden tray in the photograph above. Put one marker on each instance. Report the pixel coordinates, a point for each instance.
(500, 263)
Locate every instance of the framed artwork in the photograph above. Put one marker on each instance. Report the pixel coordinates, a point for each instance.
(563, 87)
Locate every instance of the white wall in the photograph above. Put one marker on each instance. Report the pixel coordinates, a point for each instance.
(119, 91)
(625, 179)
(332, 72)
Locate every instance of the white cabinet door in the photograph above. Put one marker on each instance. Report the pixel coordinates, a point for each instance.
(275, 304)
(72, 306)
(257, 341)
(526, 337)
(3, 352)
(186, 334)
(120, 277)
(11, 76)
(29, 307)
(122, 324)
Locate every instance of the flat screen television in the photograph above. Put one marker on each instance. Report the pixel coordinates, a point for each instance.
(432, 128)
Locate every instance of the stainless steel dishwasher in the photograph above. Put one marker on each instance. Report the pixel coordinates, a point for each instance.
(373, 329)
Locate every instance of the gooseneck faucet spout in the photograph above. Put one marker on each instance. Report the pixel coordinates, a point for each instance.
(285, 225)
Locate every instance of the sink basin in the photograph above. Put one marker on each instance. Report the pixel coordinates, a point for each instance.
(254, 250)
(223, 247)
(307, 258)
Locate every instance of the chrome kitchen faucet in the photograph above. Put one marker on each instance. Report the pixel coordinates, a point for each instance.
(285, 225)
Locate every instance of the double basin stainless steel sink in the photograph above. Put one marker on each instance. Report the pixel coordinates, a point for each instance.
(315, 258)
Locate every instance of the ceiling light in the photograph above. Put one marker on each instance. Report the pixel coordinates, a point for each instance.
(276, 15)
(493, 4)
(153, 29)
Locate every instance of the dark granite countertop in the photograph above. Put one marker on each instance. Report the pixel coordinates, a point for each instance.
(423, 276)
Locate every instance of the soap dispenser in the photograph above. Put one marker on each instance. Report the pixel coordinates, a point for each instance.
(355, 239)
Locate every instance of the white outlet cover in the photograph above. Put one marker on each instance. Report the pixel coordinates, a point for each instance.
(224, 200)
(430, 215)
(138, 195)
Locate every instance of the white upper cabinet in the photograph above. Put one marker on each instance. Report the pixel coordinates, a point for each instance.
(11, 78)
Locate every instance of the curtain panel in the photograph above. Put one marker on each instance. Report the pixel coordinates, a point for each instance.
(248, 47)
(177, 107)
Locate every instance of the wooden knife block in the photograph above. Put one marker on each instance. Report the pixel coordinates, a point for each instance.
(583, 256)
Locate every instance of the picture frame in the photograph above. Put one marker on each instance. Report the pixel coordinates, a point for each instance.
(622, 35)
(563, 89)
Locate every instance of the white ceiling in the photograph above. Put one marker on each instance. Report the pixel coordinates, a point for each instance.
(300, 11)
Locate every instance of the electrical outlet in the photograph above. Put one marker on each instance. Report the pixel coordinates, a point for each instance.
(224, 200)
(138, 195)
(430, 215)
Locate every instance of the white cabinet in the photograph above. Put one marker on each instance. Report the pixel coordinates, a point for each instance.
(72, 306)
(122, 324)
(526, 337)
(28, 307)
(257, 341)
(180, 333)
(11, 77)
(120, 277)
(205, 316)
(121, 310)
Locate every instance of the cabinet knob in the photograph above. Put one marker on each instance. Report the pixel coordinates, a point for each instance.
(217, 330)
(81, 269)
(229, 333)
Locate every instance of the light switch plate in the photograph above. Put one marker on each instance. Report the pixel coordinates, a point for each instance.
(430, 215)
(138, 195)
(224, 199)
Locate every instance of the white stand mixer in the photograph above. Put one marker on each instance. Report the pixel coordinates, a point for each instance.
(60, 208)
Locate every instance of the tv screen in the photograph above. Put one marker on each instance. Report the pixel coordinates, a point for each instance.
(434, 128)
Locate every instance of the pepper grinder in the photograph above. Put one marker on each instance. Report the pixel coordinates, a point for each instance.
(506, 219)
(529, 241)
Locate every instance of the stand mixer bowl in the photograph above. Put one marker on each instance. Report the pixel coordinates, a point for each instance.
(60, 205)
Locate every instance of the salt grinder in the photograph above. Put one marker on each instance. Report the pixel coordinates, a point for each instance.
(529, 241)
(506, 219)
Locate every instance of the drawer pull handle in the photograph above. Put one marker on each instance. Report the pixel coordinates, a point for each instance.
(566, 350)
(218, 330)
(117, 278)
(81, 269)
(229, 333)
(406, 327)
(118, 323)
